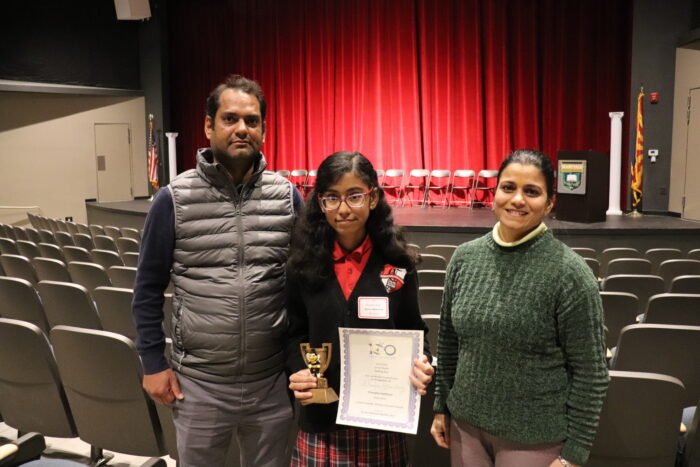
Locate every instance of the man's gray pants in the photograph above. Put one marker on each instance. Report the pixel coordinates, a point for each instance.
(258, 413)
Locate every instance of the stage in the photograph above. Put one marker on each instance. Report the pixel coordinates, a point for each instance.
(439, 225)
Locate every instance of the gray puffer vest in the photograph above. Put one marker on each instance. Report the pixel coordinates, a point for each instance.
(229, 319)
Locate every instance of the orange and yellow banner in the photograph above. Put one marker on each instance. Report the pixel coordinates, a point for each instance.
(638, 166)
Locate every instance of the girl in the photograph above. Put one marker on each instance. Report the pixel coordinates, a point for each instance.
(345, 247)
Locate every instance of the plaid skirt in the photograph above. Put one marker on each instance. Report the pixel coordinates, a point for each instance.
(350, 447)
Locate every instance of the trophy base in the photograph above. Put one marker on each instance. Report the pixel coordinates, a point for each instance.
(321, 396)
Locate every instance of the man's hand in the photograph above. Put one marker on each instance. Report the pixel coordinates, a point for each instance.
(163, 387)
(299, 382)
(441, 430)
(422, 374)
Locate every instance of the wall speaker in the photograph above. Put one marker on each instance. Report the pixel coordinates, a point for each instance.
(132, 9)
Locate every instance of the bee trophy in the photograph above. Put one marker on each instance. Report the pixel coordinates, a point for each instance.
(317, 360)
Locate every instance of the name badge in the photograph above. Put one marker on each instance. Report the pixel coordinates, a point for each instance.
(373, 307)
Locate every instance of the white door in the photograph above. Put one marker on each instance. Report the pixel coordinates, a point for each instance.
(113, 161)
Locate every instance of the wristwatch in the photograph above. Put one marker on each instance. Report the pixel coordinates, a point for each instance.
(564, 462)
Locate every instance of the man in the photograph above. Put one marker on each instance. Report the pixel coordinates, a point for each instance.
(221, 233)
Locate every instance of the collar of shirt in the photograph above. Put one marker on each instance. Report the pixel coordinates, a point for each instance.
(356, 256)
(348, 266)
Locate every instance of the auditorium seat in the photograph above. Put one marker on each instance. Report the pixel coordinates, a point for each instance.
(114, 308)
(113, 232)
(693, 254)
(83, 228)
(18, 266)
(19, 300)
(106, 258)
(685, 284)
(484, 182)
(33, 234)
(53, 225)
(628, 266)
(68, 304)
(673, 308)
(586, 252)
(6, 232)
(48, 269)
(643, 286)
(117, 417)
(8, 246)
(431, 261)
(610, 254)
(431, 278)
(25, 450)
(20, 234)
(662, 348)
(639, 421)
(415, 188)
(462, 182)
(72, 228)
(130, 259)
(659, 255)
(47, 236)
(89, 275)
(430, 300)
(32, 220)
(122, 276)
(594, 265)
(127, 245)
(62, 225)
(104, 242)
(619, 310)
(84, 241)
(392, 185)
(96, 230)
(446, 251)
(63, 239)
(673, 268)
(49, 250)
(33, 398)
(76, 253)
(128, 232)
(438, 183)
(28, 249)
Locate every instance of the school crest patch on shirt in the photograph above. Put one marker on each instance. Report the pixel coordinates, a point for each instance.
(392, 277)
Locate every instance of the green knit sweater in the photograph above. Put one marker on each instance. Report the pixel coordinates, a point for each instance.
(521, 348)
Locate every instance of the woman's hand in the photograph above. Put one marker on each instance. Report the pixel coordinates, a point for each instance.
(441, 430)
(300, 382)
(422, 374)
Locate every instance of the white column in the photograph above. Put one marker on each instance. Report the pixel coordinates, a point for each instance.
(172, 155)
(615, 163)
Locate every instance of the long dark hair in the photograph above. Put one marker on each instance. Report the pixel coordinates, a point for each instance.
(311, 255)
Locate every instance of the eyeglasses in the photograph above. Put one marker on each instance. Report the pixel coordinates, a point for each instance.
(355, 200)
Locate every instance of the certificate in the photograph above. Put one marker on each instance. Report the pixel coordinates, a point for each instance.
(375, 391)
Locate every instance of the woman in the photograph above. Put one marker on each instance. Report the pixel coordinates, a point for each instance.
(347, 246)
(521, 366)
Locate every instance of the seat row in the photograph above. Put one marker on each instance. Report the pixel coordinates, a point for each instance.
(599, 261)
(59, 225)
(53, 303)
(66, 388)
(103, 242)
(420, 186)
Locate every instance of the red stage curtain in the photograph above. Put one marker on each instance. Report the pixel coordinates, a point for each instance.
(436, 84)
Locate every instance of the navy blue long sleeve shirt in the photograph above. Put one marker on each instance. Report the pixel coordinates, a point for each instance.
(153, 276)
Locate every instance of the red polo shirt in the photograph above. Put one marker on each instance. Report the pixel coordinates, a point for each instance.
(348, 266)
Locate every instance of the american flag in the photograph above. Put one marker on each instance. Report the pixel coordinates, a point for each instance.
(152, 154)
